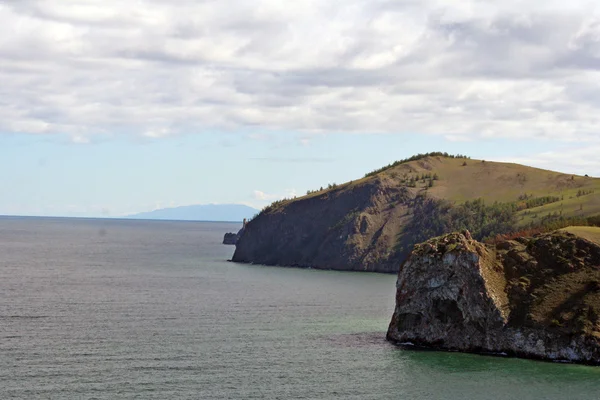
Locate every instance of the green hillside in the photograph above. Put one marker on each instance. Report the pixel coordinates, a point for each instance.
(371, 223)
(461, 179)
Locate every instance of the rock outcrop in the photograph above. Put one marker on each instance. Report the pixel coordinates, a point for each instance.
(232, 238)
(530, 297)
(352, 228)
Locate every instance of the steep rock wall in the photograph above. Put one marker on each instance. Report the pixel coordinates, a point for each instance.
(536, 298)
(351, 229)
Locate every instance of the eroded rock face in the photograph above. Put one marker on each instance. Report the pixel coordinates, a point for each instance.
(354, 228)
(233, 238)
(457, 294)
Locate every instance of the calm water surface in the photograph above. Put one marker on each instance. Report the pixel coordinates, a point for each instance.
(108, 309)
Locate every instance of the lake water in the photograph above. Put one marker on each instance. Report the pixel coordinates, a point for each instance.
(113, 309)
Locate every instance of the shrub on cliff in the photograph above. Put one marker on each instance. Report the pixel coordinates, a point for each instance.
(434, 217)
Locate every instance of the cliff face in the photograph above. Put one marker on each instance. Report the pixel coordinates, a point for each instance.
(231, 238)
(351, 229)
(537, 297)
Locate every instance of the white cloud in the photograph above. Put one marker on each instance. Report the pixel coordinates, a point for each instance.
(457, 138)
(288, 193)
(152, 68)
(577, 160)
(259, 195)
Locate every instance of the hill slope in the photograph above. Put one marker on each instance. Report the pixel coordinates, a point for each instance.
(371, 224)
(208, 212)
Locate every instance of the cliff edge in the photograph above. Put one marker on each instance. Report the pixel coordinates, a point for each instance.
(530, 297)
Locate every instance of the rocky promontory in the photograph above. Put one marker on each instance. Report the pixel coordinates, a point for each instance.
(535, 297)
(354, 227)
(371, 224)
(232, 238)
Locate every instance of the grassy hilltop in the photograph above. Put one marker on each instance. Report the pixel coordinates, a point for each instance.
(372, 222)
(461, 179)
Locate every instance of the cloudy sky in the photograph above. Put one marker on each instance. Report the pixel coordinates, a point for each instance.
(110, 107)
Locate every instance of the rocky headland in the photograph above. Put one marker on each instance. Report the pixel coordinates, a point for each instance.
(372, 223)
(231, 238)
(354, 228)
(536, 297)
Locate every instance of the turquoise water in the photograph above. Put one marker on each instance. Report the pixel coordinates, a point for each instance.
(107, 309)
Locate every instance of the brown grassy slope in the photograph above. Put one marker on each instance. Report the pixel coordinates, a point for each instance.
(493, 181)
(590, 233)
(504, 182)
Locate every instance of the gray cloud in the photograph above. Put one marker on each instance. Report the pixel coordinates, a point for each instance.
(154, 68)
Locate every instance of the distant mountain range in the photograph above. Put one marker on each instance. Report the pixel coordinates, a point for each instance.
(206, 212)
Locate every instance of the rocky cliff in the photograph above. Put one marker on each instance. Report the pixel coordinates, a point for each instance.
(231, 238)
(352, 228)
(531, 297)
(371, 224)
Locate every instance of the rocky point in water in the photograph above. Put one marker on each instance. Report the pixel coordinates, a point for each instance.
(529, 297)
(232, 238)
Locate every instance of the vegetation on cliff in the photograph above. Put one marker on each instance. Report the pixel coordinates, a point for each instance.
(370, 224)
(433, 217)
(486, 222)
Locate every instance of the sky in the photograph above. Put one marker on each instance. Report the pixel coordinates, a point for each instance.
(110, 107)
